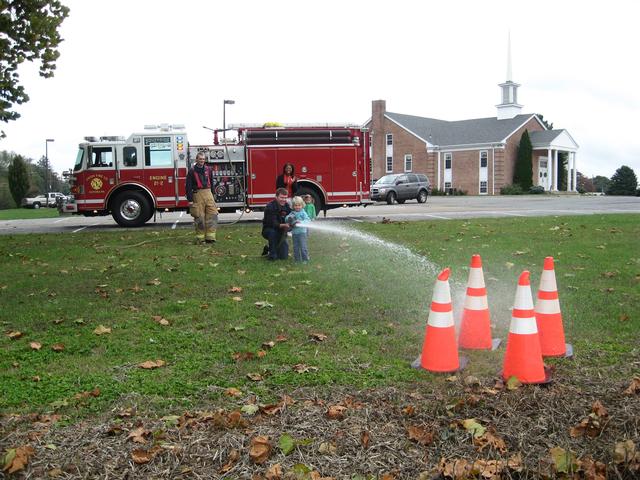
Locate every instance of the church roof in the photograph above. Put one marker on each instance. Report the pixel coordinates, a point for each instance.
(545, 136)
(461, 132)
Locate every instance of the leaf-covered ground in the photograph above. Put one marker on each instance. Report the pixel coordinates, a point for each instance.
(141, 355)
(578, 426)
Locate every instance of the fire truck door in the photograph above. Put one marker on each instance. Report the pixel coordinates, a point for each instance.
(262, 175)
(159, 171)
(345, 184)
(101, 174)
(129, 164)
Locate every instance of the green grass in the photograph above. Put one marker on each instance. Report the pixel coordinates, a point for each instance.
(370, 302)
(26, 213)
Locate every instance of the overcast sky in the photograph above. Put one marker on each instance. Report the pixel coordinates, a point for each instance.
(125, 64)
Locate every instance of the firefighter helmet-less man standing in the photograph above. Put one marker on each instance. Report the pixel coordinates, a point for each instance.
(202, 206)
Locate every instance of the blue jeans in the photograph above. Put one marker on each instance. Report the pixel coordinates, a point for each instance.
(300, 252)
(278, 245)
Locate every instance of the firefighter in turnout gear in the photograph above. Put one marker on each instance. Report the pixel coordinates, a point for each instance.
(202, 205)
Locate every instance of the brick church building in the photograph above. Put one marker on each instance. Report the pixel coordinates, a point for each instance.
(476, 156)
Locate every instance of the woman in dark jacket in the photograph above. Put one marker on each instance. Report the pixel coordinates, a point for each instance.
(288, 180)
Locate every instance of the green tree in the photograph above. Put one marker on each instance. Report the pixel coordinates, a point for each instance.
(563, 170)
(523, 172)
(544, 122)
(600, 183)
(623, 182)
(18, 178)
(28, 31)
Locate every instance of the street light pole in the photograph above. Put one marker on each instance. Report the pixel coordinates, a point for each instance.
(224, 122)
(46, 168)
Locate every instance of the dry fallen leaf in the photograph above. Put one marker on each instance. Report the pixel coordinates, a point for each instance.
(141, 456)
(155, 282)
(318, 337)
(634, 386)
(336, 412)
(138, 435)
(260, 449)
(256, 377)
(364, 439)
(17, 458)
(232, 458)
(236, 299)
(92, 393)
(274, 472)
(35, 345)
(263, 304)
(102, 330)
(57, 347)
(233, 392)
(235, 290)
(420, 434)
(150, 364)
(160, 319)
(14, 335)
(302, 368)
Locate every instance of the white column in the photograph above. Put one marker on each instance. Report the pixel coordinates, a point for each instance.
(438, 170)
(555, 170)
(575, 172)
(549, 161)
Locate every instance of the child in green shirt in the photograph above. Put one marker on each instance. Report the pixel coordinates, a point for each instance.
(309, 207)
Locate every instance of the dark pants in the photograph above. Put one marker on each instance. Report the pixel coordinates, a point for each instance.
(278, 245)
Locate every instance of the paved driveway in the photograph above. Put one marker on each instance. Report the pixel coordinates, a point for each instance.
(437, 208)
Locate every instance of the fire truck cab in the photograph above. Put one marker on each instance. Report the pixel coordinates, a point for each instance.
(130, 178)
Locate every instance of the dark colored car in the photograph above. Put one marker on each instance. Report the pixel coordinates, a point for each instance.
(401, 187)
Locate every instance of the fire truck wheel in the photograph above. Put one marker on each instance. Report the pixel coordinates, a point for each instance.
(391, 198)
(316, 198)
(130, 209)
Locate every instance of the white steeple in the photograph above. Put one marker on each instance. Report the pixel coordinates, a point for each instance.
(509, 107)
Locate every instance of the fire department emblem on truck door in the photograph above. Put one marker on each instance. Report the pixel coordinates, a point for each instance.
(96, 183)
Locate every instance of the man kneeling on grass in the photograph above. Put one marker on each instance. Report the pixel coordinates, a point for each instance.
(274, 227)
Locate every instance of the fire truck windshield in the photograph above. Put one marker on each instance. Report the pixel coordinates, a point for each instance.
(78, 165)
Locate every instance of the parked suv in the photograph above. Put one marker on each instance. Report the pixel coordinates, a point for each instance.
(401, 187)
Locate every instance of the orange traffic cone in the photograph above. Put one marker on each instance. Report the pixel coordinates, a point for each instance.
(523, 357)
(439, 351)
(475, 328)
(548, 316)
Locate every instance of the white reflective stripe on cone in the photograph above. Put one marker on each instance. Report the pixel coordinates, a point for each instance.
(476, 278)
(548, 281)
(548, 306)
(523, 326)
(523, 300)
(476, 303)
(440, 319)
(441, 292)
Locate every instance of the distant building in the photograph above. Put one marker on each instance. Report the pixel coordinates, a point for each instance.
(477, 156)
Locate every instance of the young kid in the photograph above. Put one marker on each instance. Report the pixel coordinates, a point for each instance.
(309, 206)
(297, 219)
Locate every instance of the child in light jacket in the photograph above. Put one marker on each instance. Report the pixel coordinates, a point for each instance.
(297, 219)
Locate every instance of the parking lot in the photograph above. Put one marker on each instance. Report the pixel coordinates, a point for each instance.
(436, 208)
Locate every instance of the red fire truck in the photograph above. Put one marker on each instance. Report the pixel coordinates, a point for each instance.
(133, 178)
